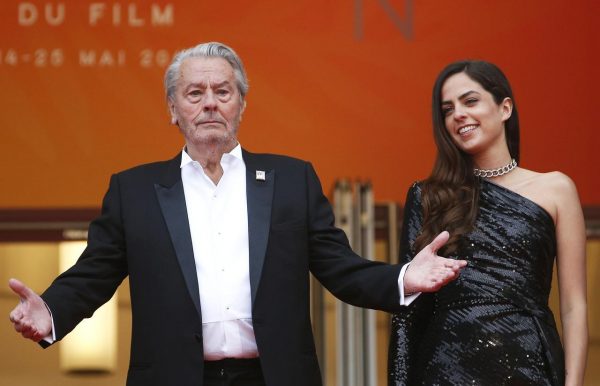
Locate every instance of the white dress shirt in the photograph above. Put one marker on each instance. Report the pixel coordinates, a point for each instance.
(218, 218)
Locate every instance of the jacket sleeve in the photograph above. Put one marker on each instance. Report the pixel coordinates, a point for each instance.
(92, 281)
(346, 275)
(409, 325)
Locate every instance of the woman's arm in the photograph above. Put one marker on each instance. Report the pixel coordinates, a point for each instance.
(409, 325)
(571, 262)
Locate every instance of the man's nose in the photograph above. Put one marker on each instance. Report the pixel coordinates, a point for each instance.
(210, 101)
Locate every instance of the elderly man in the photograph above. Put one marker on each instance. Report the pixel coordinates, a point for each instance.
(218, 244)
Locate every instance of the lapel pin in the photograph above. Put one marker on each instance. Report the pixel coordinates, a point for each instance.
(260, 175)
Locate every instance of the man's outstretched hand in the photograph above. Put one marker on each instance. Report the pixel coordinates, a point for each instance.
(429, 272)
(30, 318)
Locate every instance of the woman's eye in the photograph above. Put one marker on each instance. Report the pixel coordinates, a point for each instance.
(471, 101)
(447, 110)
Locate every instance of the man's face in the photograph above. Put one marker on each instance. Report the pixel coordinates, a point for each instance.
(207, 105)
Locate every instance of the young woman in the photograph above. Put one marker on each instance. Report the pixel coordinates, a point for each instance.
(492, 326)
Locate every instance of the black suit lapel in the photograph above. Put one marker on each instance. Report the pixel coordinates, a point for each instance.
(259, 196)
(172, 203)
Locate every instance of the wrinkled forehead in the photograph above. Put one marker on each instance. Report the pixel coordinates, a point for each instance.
(206, 71)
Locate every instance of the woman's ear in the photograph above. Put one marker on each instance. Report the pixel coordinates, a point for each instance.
(507, 106)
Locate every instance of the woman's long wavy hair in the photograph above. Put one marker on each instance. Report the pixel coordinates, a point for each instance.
(450, 195)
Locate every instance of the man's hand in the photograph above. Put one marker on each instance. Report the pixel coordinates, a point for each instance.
(30, 318)
(428, 272)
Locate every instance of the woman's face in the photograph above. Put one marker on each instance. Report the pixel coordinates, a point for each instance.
(472, 118)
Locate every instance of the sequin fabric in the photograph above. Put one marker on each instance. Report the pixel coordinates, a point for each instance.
(492, 325)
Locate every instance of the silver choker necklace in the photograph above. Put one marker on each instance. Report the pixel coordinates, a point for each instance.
(489, 173)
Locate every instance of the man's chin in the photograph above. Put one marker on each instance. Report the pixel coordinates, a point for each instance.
(216, 138)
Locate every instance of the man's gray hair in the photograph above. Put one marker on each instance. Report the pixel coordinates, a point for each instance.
(209, 50)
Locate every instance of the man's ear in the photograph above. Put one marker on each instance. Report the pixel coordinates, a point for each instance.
(171, 105)
(243, 109)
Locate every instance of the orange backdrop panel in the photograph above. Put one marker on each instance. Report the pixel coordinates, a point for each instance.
(345, 84)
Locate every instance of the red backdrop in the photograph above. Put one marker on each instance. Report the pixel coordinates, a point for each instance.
(345, 84)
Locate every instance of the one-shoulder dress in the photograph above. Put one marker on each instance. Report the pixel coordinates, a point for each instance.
(491, 326)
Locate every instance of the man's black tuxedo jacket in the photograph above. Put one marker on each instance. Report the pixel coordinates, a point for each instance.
(143, 232)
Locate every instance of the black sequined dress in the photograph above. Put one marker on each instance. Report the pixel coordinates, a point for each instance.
(492, 325)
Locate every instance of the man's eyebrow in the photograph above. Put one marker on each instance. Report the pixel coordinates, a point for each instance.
(203, 84)
(220, 84)
(195, 84)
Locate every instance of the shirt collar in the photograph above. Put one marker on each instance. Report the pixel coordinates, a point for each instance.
(235, 153)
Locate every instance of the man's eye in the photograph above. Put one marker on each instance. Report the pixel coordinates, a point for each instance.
(222, 92)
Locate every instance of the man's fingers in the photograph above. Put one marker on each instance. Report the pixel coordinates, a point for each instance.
(439, 241)
(20, 289)
(454, 265)
(30, 333)
(21, 328)
(24, 319)
(15, 316)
